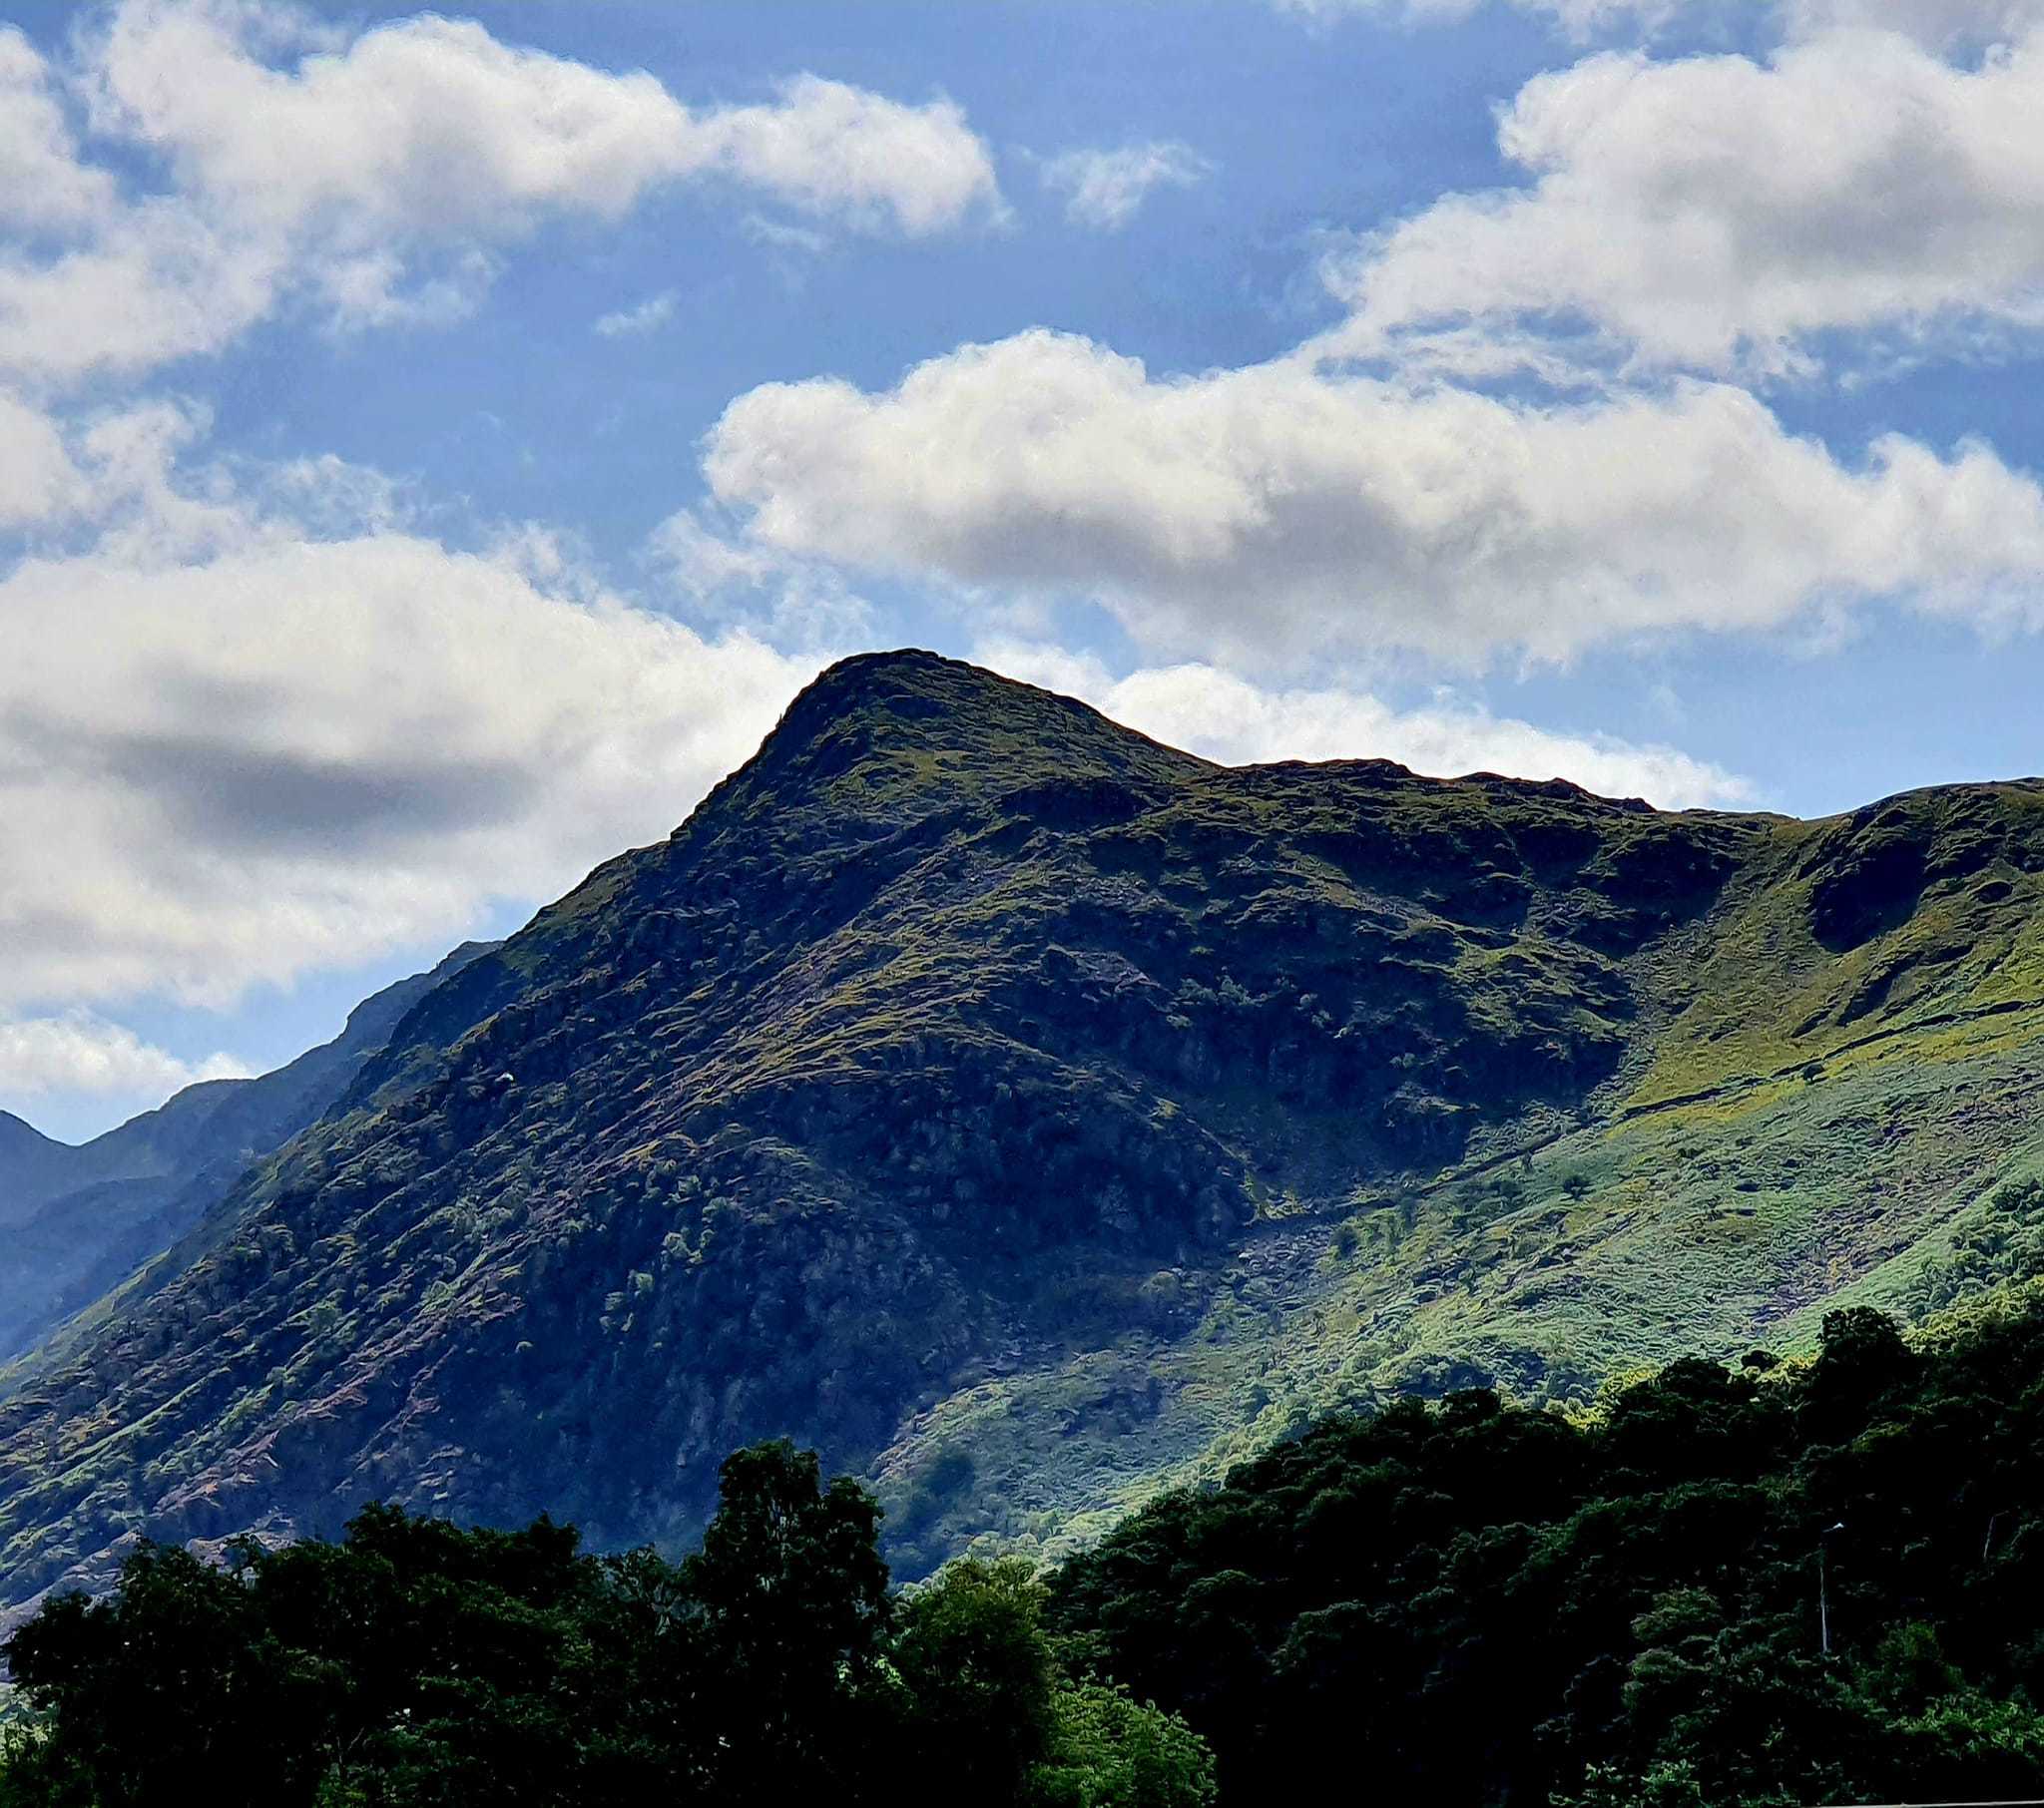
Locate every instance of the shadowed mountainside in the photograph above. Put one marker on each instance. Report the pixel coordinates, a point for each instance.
(78, 1218)
(1028, 1116)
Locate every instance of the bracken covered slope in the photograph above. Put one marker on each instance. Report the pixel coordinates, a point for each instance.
(1029, 1115)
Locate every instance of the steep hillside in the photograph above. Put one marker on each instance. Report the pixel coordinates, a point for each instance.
(78, 1218)
(1026, 1115)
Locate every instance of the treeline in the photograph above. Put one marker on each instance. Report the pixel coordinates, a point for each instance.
(1465, 1603)
(414, 1662)
(1477, 1604)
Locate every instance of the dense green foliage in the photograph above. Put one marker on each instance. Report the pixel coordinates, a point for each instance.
(1465, 1601)
(1483, 1603)
(1029, 1118)
(417, 1664)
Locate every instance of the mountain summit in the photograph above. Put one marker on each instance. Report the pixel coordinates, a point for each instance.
(1027, 1115)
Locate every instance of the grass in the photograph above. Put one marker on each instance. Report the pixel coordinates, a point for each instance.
(1796, 1198)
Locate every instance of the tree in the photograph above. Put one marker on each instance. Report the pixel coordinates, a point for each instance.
(1110, 1751)
(169, 1679)
(1861, 1357)
(977, 1669)
(31, 1777)
(791, 1596)
(418, 1663)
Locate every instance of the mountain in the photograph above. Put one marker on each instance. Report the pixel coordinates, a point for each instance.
(78, 1218)
(1029, 1115)
(29, 1163)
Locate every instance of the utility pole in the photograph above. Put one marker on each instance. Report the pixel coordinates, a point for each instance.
(1824, 1606)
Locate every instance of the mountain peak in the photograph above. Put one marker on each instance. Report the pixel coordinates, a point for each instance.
(896, 666)
(18, 1136)
(886, 736)
(911, 697)
(910, 685)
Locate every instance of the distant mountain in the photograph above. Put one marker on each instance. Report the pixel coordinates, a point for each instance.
(31, 1164)
(75, 1219)
(1030, 1116)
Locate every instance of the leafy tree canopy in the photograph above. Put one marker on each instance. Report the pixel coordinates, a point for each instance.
(415, 1663)
(1484, 1603)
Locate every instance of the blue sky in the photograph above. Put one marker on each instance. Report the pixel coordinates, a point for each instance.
(434, 447)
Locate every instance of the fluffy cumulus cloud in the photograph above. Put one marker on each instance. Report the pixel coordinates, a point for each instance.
(1229, 718)
(232, 749)
(1281, 509)
(1719, 211)
(416, 152)
(1106, 189)
(1685, 223)
(841, 151)
(80, 1051)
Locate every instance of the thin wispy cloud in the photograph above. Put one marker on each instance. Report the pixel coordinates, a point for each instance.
(1106, 189)
(648, 317)
(785, 236)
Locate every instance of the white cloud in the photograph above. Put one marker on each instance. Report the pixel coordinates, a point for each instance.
(1938, 24)
(798, 603)
(843, 154)
(155, 283)
(1104, 189)
(702, 563)
(648, 317)
(416, 152)
(37, 477)
(232, 754)
(1714, 211)
(421, 126)
(785, 236)
(43, 184)
(80, 1051)
(1578, 18)
(1227, 719)
(431, 125)
(1260, 513)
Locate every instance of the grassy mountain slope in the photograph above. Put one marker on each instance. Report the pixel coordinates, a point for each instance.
(77, 1218)
(1026, 1115)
